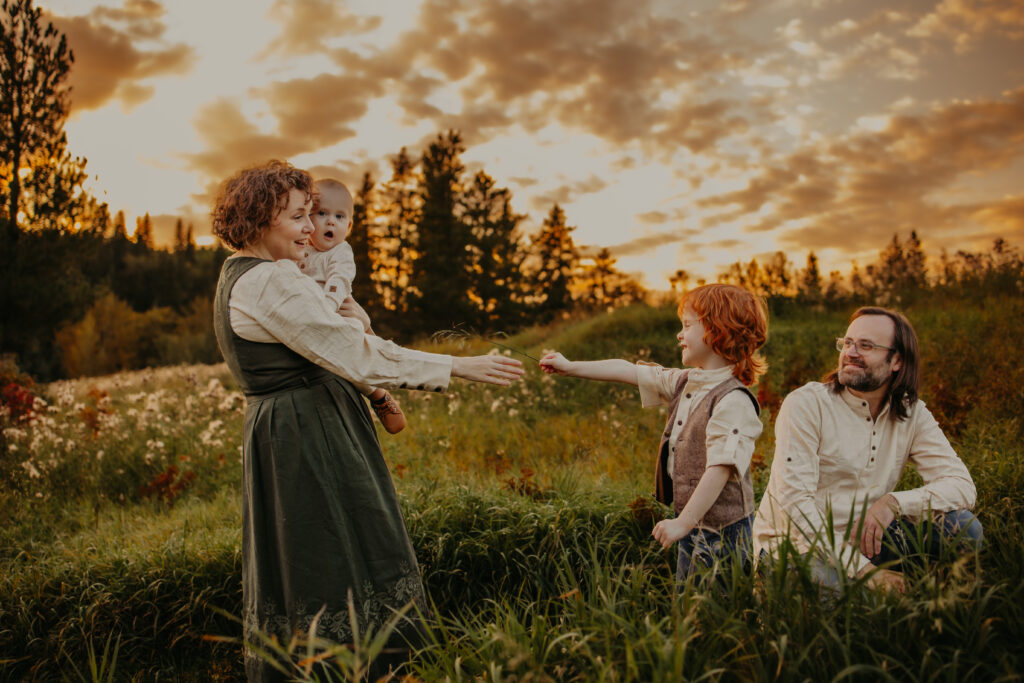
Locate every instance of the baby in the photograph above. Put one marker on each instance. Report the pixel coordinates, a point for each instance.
(331, 263)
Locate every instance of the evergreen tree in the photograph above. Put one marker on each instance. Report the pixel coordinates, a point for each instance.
(810, 280)
(179, 235)
(497, 284)
(558, 262)
(144, 231)
(678, 281)
(439, 283)
(34, 65)
(363, 239)
(396, 247)
(118, 228)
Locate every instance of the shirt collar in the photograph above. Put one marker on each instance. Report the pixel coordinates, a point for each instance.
(716, 376)
(860, 406)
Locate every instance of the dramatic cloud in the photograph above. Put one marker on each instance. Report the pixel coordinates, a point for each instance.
(310, 24)
(109, 64)
(856, 192)
(232, 142)
(965, 22)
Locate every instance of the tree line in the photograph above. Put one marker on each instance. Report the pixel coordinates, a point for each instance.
(436, 249)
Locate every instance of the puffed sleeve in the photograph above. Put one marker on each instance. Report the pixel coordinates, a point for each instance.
(287, 307)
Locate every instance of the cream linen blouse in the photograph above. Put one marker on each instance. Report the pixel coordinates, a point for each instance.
(274, 302)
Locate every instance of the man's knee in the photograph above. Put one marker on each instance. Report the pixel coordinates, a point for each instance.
(964, 527)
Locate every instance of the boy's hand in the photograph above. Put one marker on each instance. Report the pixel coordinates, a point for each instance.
(668, 531)
(350, 309)
(555, 364)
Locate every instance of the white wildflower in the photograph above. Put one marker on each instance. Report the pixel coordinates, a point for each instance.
(31, 469)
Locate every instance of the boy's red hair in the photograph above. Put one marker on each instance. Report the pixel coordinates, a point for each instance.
(735, 326)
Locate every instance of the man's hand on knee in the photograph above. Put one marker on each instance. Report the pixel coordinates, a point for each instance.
(876, 520)
(883, 579)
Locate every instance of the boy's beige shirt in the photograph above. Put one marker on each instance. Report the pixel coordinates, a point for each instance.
(274, 302)
(733, 428)
(830, 455)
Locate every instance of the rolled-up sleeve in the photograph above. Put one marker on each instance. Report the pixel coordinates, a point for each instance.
(732, 432)
(292, 309)
(656, 383)
(947, 483)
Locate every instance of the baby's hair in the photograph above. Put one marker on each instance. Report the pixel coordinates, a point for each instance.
(735, 326)
(330, 184)
(249, 200)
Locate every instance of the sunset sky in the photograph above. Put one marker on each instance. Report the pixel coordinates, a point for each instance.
(678, 134)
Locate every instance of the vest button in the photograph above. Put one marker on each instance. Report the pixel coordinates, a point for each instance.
(679, 422)
(687, 396)
(735, 431)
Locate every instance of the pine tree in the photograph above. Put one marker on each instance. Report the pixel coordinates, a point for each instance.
(678, 281)
(179, 235)
(440, 281)
(558, 262)
(396, 247)
(497, 283)
(118, 229)
(810, 280)
(144, 231)
(363, 238)
(34, 65)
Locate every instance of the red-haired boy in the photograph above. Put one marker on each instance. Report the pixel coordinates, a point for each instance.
(703, 465)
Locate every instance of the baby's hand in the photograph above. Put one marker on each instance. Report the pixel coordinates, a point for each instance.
(350, 309)
(555, 363)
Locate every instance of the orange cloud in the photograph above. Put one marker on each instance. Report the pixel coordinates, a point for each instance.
(856, 192)
(109, 64)
(308, 24)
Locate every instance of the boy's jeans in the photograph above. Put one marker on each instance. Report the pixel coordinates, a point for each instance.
(703, 548)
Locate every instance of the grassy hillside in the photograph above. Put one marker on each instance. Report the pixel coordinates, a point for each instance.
(530, 510)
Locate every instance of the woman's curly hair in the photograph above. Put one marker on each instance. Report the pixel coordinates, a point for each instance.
(735, 326)
(249, 200)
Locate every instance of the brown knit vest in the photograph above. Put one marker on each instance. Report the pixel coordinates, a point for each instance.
(737, 498)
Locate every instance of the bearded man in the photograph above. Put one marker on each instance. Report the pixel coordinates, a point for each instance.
(840, 447)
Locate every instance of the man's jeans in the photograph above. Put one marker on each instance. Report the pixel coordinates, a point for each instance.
(908, 543)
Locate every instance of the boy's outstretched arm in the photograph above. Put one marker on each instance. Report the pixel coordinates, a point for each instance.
(710, 486)
(612, 370)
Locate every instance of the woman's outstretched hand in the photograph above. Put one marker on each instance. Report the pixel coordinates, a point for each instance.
(491, 369)
(555, 363)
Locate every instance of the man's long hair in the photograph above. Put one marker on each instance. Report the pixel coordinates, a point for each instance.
(904, 384)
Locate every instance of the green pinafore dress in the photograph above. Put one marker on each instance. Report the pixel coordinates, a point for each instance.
(321, 524)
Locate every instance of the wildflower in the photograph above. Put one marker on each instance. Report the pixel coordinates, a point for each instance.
(496, 404)
(100, 454)
(31, 469)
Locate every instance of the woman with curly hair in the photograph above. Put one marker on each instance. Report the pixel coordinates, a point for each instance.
(703, 465)
(322, 532)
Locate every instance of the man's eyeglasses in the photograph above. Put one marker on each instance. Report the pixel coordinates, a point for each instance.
(863, 345)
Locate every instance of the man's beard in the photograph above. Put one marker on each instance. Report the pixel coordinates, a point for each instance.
(865, 380)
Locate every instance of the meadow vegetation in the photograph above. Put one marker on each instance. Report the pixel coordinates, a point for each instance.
(530, 509)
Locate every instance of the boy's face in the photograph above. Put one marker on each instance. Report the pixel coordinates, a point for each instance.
(332, 218)
(696, 353)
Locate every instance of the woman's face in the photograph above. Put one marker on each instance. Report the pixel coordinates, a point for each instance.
(289, 231)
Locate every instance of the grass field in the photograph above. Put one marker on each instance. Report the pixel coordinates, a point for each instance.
(530, 510)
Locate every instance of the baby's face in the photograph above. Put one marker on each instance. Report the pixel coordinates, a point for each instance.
(332, 218)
